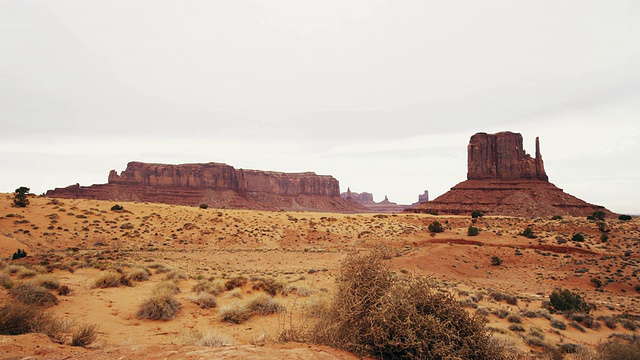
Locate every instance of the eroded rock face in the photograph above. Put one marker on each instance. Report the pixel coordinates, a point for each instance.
(215, 176)
(502, 179)
(502, 156)
(218, 185)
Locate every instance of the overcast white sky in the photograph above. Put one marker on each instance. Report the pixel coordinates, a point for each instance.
(383, 95)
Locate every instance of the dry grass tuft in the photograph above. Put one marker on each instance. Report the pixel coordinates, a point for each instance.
(139, 274)
(213, 287)
(263, 304)
(204, 300)
(110, 279)
(209, 339)
(235, 313)
(84, 335)
(160, 306)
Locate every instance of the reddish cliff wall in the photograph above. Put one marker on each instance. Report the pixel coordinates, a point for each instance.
(502, 156)
(218, 185)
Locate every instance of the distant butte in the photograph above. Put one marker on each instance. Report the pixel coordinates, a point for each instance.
(502, 179)
(217, 185)
(366, 199)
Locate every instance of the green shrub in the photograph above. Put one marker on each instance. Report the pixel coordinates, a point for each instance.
(528, 233)
(435, 227)
(556, 217)
(378, 312)
(476, 214)
(596, 282)
(577, 237)
(204, 206)
(20, 196)
(565, 300)
(18, 254)
(624, 217)
(117, 207)
(598, 215)
(496, 261)
(473, 231)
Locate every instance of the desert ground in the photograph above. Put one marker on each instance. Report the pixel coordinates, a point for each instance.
(293, 258)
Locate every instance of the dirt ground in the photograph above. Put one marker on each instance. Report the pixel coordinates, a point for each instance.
(77, 241)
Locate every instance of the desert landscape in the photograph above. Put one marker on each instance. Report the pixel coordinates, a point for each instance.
(216, 259)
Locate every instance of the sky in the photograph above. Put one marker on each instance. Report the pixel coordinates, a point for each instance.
(383, 95)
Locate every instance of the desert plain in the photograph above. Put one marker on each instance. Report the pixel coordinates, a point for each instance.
(294, 259)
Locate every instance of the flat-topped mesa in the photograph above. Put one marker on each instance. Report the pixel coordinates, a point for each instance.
(216, 185)
(502, 156)
(216, 176)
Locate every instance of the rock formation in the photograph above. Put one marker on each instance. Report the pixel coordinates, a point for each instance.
(366, 199)
(502, 179)
(217, 185)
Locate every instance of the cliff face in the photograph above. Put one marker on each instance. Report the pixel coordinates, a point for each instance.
(502, 156)
(218, 185)
(216, 176)
(502, 179)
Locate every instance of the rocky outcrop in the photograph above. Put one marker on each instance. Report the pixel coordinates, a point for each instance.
(217, 185)
(366, 199)
(502, 156)
(502, 179)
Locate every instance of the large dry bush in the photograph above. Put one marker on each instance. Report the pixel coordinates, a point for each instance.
(18, 318)
(378, 312)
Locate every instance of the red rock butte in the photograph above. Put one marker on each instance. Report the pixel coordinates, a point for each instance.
(217, 185)
(502, 179)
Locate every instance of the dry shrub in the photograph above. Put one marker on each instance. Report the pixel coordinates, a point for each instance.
(380, 313)
(47, 280)
(64, 290)
(176, 275)
(139, 274)
(235, 313)
(110, 279)
(316, 306)
(32, 294)
(263, 304)
(236, 282)
(165, 287)
(213, 287)
(160, 306)
(18, 318)
(620, 347)
(84, 335)
(204, 300)
(5, 281)
(269, 285)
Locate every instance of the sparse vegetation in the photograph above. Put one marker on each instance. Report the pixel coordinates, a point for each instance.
(476, 214)
(624, 217)
(496, 261)
(473, 231)
(577, 237)
(117, 207)
(204, 206)
(33, 294)
(110, 279)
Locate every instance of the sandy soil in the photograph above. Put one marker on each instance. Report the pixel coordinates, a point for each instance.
(78, 240)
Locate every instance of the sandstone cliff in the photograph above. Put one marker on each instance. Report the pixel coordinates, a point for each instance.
(218, 185)
(502, 179)
(502, 156)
